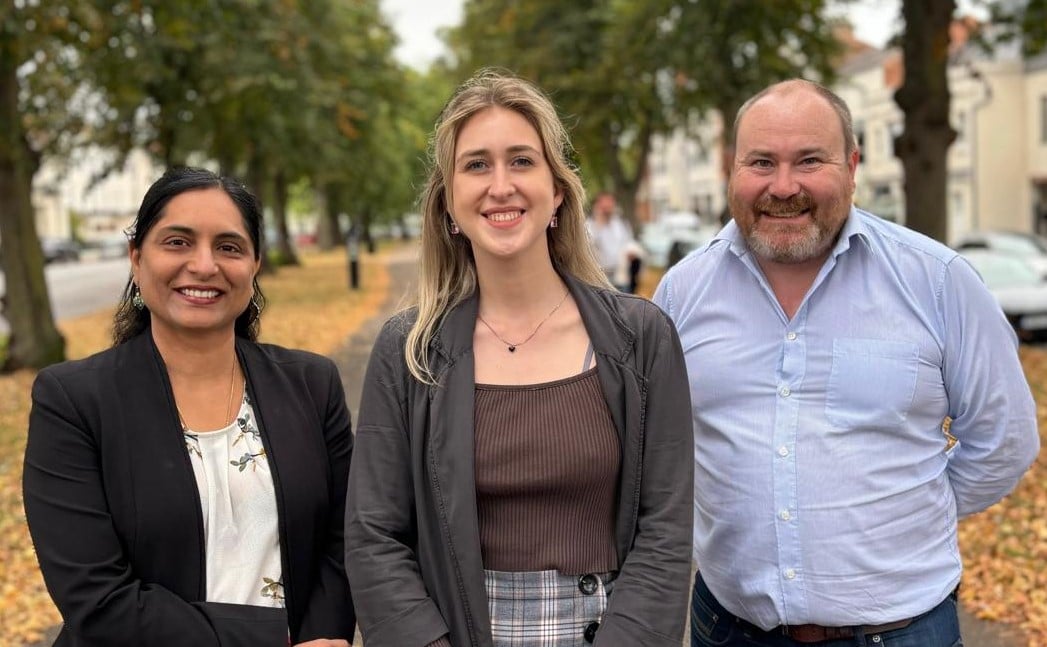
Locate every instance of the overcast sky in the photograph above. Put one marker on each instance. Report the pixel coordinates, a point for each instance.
(416, 22)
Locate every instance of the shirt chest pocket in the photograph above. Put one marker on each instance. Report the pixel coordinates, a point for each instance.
(872, 382)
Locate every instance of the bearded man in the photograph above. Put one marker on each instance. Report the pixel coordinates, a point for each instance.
(855, 391)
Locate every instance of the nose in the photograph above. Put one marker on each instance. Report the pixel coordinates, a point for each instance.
(784, 183)
(202, 261)
(501, 183)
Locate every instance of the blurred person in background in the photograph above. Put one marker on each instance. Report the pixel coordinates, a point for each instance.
(522, 468)
(846, 412)
(617, 251)
(187, 486)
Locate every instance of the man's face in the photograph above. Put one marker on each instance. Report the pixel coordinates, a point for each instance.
(792, 183)
(604, 204)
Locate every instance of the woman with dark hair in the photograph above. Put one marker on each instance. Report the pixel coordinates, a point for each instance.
(186, 486)
(523, 466)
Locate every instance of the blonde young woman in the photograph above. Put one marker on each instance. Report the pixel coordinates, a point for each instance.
(522, 471)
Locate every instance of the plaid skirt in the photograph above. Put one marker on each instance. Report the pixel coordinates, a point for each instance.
(545, 608)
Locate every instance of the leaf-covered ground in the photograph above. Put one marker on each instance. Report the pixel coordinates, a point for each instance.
(310, 307)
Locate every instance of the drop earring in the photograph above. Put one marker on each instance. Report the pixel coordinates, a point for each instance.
(454, 228)
(136, 298)
(555, 222)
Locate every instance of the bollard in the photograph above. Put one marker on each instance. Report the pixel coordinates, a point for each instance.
(352, 248)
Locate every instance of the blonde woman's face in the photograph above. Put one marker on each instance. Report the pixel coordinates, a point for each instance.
(502, 191)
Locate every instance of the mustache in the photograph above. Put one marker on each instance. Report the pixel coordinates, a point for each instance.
(776, 206)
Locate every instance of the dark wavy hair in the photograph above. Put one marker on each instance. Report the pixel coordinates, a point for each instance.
(130, 321)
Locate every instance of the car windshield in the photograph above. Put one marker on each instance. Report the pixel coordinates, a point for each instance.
(1003, 271)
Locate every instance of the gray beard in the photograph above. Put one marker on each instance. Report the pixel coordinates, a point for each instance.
(812, 245)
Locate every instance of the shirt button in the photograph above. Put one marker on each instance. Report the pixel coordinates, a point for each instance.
(791, 336)
(784, 514)
(786, 391)
(783, 451)
(587, 584)
(790, 574)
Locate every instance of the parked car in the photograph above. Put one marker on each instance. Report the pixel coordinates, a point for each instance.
(113, 246)
(58, 250)
(1022, 293)
(673, 236)
(1029, 247)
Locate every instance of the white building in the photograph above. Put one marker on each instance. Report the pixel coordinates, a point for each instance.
(68, 194)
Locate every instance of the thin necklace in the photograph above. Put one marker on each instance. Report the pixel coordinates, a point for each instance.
(510, 345)
(228, 404)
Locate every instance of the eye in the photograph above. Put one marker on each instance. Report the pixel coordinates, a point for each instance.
(175, 242)
(475, 165)
(810, 161)
(230, 248)
(761, 164)
(523, 161)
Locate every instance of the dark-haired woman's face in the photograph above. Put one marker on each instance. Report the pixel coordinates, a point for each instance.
(196, 265)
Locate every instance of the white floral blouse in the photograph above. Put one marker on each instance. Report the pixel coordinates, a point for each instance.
(238, 502)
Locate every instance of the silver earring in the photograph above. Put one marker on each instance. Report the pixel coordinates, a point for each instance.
(136, 298)
(257, 305)
(555, 222)
(454, 228)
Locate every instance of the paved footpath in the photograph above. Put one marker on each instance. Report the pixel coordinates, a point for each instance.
(352, 362)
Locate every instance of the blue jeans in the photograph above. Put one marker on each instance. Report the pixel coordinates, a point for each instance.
(714, 626)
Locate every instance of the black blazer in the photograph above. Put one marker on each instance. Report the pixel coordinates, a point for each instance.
(114, 511)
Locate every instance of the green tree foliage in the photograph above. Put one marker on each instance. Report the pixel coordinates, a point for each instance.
(623, 71)
(279, 92)
(1025, 20)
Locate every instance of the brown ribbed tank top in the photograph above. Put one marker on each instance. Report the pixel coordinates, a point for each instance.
(547, 463)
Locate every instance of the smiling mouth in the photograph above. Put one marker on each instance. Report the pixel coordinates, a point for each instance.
(199, 294)
(785, 214)
(504, 216)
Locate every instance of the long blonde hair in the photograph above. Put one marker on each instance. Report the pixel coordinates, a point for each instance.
(447, 271)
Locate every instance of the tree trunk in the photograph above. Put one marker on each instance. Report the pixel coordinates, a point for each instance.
(34, 340)
(728, 109)
(626, 184)
(924, 98)
(365, 228)
(283, 237)
(255, 175)
(328, 229)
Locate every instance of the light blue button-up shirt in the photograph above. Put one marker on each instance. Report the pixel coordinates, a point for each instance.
(825, 490)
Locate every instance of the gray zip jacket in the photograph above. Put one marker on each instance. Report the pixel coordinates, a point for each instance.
(412, 540)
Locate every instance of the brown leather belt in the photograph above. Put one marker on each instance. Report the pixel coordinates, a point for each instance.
(818, 633)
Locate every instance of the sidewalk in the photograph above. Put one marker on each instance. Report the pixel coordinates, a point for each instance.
(352, 357)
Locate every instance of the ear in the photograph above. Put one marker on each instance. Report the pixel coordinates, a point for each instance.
(852, 163)
(557, 196)
(135, 255)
